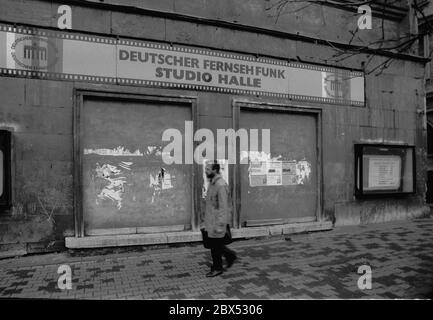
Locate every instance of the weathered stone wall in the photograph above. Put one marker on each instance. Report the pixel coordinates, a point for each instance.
(297, 18)
(393, 114)
(40, 112)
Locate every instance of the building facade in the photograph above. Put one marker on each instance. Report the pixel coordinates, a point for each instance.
(107, 106)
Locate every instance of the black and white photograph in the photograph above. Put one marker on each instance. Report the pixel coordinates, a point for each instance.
(216, 154)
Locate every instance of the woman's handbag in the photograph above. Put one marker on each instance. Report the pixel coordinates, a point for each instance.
(207, 242)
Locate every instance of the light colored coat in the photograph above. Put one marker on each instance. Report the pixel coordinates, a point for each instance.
(217, 210)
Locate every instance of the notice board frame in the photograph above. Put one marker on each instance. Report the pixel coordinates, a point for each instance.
(359, 171)
(78, 105)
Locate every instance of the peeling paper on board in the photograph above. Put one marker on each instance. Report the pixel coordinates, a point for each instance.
(303, 171)
(154, 150)
(257, 156)
(124, 152)
(115, 189)
(116, 152)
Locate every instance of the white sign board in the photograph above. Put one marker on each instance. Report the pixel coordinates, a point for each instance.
(384, 172)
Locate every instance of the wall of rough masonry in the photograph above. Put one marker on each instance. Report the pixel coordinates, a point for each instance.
(297, 18)
(39, 112)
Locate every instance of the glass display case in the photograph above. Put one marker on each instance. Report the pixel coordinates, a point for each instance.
(384, 170)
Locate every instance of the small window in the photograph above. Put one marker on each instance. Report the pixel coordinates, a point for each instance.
(5, 169)
(384, 170)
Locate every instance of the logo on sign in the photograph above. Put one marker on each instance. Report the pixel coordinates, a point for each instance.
(335, 87)
(34, 53)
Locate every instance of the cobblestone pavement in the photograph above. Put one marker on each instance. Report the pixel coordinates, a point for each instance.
(320, 265)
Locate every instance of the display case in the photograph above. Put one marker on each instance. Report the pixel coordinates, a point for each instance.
(384, 170)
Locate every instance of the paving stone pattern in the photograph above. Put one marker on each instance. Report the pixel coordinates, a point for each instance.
(320, 265)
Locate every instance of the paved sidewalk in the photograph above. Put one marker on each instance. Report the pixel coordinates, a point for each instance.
(319, 265)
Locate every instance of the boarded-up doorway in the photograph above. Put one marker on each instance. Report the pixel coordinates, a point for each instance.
(283, 186)
(126, 186)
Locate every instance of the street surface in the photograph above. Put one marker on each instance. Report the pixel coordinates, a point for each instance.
(322, 265)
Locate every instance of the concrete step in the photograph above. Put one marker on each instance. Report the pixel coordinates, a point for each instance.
(190, 236)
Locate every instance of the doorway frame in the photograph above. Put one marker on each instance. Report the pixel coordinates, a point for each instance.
(237, 105)
(78, 106)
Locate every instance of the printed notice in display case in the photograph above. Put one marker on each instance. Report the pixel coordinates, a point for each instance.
(384, 169)
(383, 172)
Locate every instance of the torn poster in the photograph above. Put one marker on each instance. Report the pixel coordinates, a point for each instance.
(257, 173)
(303, 171)
(114, 190)
(289, 176)
(273, 172)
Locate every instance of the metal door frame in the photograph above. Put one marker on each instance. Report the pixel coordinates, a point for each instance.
(78, 105)
(237, 105)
